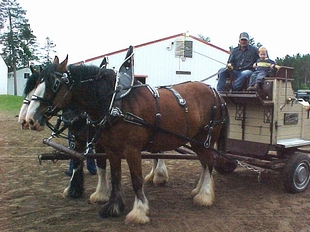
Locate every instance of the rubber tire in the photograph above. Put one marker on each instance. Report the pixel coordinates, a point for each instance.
(296, 173)
(224, 166)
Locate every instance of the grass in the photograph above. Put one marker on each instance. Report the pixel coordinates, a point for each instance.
(10, 103)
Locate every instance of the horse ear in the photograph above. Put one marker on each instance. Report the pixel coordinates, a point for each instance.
(56, 60)
(41, 69)
(32, 69)
(63, 65)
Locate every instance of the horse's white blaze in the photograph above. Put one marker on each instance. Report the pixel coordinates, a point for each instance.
(138, 215)
(23, 111)
(33, 106)
(205, 195)
(102, 191)
(158, 174)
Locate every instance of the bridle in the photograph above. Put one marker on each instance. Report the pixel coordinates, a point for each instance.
(26, 101)
(60, 78)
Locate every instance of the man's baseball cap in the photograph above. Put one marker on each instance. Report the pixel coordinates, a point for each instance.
(244, 35)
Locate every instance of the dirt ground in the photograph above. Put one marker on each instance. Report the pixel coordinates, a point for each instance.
(31, 196)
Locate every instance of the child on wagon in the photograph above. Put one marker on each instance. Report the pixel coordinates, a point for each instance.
(263, 68)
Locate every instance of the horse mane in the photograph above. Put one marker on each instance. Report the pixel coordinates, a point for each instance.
(91, 73)
(31, 83)
(100, 83)
(84, 72)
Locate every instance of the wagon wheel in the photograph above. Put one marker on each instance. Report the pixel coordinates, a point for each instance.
(224, 166)
(296, 173)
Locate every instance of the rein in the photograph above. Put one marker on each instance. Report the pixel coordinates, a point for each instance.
(131, 118)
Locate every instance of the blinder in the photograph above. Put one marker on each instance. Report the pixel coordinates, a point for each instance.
(64, 79)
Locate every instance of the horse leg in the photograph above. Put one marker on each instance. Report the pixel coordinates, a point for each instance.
(204, 192)
(138, 215)
(150, 177)
(76, 184)
(158, 174)
(116, 203)
(102, 191)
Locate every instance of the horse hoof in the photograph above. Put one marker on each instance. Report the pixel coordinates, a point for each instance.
(203, 200)
(111, 210)
(141, 220)
(72, 193)
(95, 198)
(149, 178)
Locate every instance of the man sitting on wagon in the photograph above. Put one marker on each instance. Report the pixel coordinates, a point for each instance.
(239, 64)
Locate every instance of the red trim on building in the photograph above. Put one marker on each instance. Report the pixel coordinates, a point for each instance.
(152, 42)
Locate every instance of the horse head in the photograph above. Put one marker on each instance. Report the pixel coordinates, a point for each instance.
(88, 86)
(30, 86)
(51, 95)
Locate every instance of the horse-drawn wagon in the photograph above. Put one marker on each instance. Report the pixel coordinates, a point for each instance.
(268, 131)
(267, 128)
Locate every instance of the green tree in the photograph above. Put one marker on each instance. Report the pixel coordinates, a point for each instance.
(49, 51)
(301, 65)
(207, 39)
(17, 40)
(251, 42)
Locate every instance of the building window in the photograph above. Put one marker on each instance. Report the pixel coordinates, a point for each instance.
(184, 49)
(183, 72)
(26, 75)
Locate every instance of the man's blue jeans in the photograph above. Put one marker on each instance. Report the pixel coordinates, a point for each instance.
(240, 76)
(90, 164)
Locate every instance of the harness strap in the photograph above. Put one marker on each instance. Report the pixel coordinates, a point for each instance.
(182, 102)
(26, 101)
(131, 118)
(179, 98)
(155, 94)
(209, 127)
(37, 98)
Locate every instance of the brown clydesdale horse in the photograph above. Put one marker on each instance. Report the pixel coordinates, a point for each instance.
(145, 119)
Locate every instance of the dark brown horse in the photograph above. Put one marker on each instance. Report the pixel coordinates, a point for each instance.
(75, 120)
(145, 119)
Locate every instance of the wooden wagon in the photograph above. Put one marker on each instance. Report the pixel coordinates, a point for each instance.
(268, 130)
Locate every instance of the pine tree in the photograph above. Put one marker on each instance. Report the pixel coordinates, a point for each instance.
(48, 50)
(18, 42)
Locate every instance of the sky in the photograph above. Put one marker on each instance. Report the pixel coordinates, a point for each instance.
(86, 29)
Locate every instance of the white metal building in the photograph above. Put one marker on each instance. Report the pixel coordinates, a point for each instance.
(171, 60)
(165, 61)
(21, 79)
(3, 77)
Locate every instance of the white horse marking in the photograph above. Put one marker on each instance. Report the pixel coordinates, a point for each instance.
(102, 191)
(138, 215)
